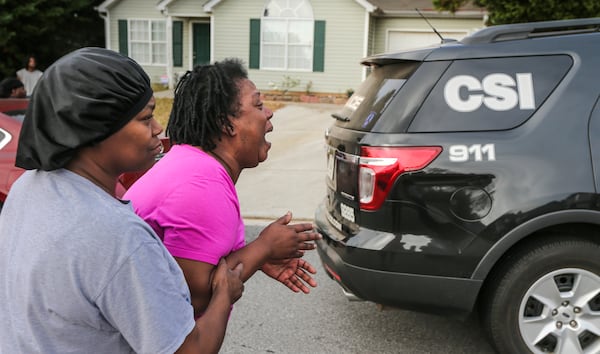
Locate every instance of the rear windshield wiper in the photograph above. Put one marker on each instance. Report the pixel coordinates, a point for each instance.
(340, 117)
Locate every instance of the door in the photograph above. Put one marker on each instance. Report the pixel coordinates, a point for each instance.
(201, 43)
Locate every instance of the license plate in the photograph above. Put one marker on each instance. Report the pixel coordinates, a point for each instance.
(347, 212)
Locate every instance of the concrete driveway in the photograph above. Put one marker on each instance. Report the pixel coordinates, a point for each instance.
(293, 177)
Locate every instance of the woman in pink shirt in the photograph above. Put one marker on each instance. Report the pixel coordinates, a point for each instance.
(217, 128)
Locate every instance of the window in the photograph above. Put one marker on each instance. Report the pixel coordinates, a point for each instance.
(366, 106)
(287, 33)
(489, 93)
(148, 41)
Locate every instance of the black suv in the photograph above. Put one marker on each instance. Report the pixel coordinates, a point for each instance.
(464, 178)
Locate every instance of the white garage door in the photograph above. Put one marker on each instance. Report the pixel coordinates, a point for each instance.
(400, 40)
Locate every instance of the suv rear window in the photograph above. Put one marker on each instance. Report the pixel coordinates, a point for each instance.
(490, 94)
(363, 109)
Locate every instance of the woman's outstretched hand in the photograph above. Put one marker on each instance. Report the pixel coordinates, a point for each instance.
(295, 273)
(288, 241)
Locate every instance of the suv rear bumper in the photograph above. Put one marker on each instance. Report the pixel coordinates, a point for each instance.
(424, 293)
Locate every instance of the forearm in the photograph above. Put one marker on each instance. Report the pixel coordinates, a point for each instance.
(213, 323)
(209, 332)
(199, 275)
(253, 256)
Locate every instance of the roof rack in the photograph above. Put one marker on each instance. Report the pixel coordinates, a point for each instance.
(533, 30)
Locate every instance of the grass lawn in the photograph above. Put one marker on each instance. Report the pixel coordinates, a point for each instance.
(163, 109)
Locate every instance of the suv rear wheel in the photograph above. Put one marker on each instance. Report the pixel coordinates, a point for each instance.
(546, 299)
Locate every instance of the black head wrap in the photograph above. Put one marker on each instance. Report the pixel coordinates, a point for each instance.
(81, 99)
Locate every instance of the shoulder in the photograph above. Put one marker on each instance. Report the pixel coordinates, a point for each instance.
(191, 165)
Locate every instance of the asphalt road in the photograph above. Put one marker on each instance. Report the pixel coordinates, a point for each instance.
(269, 318)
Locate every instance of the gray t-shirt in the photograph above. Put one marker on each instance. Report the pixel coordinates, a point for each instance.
(81, 273)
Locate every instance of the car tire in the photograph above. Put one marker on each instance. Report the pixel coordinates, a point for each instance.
(546, 298)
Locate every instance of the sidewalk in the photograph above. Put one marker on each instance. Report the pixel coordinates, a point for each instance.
(293, 177)
(163, 94)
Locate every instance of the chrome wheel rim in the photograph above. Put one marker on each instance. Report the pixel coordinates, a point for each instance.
(560, 313)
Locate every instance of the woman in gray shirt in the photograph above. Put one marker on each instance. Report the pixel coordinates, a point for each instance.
(79, 271)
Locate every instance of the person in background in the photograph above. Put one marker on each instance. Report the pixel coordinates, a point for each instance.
(29, 75)
(12, 88)
(80, 272)
(217, 128)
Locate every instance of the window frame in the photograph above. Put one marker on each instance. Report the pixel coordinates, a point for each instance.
(286, 43)
(149, 41)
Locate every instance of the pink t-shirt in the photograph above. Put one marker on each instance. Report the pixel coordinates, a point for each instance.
(191, 202)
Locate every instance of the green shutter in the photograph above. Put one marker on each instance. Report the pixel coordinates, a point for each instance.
(123, 37)
(319, 48)
(177, 43)
(254, 62)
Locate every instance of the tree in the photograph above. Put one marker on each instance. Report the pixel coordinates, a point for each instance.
(48, 29)
(516, 11)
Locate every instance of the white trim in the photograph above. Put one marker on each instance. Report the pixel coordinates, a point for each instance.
(209, 5)
(287, 45)
(162, 6)
(187, 15)
(212, 39)
(190, 45)
(106, 17)
(366, 44)
(105, 5)
(7, 138)
(169, 65)
(150, 41)
(367, 5)
(469, 14)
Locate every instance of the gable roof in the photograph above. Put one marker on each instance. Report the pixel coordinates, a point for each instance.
(105, 5)
(163, 4)
(407, 8)
(378, 7)
(208, 6)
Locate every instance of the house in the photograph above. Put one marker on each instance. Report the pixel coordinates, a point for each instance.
(296, 45)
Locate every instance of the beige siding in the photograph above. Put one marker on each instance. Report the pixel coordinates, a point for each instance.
(343, 43)
(135, 9)
(126, 9)
(372, 32)
(383, 25)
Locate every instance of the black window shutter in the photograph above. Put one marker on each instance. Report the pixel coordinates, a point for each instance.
(254, 61)
(123, 37)
(319, 47)
(177, 43)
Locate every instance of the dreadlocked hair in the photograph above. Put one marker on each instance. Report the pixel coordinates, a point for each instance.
(205, 99)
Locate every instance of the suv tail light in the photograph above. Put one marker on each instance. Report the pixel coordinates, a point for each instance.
(380, 166)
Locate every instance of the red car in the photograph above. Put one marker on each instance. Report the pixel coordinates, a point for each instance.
(13, 106)
(12, 112)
